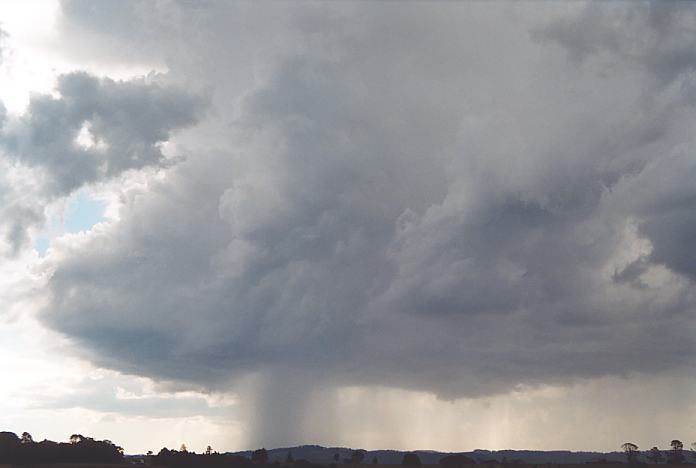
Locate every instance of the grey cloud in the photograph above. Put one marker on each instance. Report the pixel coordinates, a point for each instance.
(21, 209)
(182, 36)
(23, 217)
(663, 201)
(657, 37)
(127, 120)
(632, 272)
(123, 124)
(407, 200)
(137, 28)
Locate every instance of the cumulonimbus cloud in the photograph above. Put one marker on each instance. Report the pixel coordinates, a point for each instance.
(442, 208)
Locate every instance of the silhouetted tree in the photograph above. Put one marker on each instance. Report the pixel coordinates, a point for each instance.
(183, 448)
(411, 459)
(9, 439)
(260, 455)
(654, 455)
(209, 450)
(27, 438)
(676, 455)
(631, 451)
(9, 447)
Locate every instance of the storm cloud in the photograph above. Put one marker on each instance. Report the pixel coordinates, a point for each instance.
(454, 198)
(95, 129)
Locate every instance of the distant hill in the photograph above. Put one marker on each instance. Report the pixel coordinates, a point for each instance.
(319, 454)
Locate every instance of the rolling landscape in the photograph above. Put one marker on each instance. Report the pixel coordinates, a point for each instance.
(86, 452)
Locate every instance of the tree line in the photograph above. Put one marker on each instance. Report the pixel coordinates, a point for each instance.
(80, 449)
(673, 456)
(23, 450)
(357, 457)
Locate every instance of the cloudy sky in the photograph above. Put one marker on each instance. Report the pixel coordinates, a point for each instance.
(378, 224)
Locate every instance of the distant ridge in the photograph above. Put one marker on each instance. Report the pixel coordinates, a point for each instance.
(325, 455)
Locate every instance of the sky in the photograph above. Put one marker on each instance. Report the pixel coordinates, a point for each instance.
(408, 225)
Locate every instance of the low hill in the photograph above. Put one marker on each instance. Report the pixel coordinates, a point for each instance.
(325, 455)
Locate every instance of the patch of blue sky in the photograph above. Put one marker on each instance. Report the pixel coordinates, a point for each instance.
(82, 212)
(41, 245)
